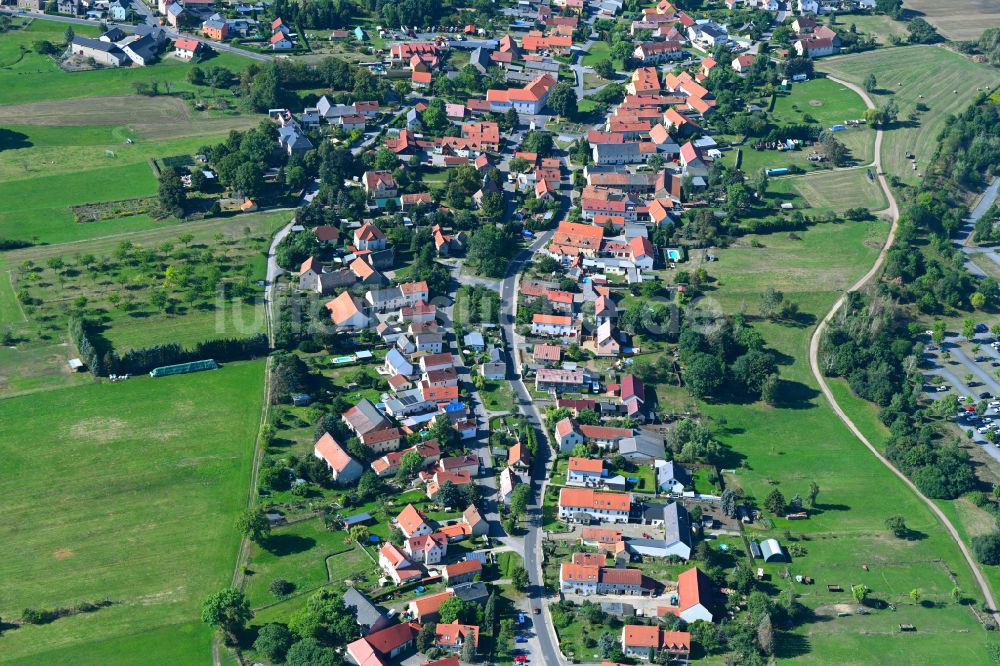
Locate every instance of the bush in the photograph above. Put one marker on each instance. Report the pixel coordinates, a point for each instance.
(280, 587)
(987, 548)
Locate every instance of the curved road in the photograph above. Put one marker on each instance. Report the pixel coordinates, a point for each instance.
(817, 336)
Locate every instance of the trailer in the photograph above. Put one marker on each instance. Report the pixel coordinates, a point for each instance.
(780, 171)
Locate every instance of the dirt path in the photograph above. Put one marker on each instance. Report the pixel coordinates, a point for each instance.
(893, 212)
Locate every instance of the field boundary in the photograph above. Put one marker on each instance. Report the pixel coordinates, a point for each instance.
(814, 342)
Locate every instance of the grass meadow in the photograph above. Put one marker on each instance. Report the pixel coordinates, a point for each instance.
(86, 137)
(801, 440)
(127, 491)
(943, 80)
(832, 191)
(26, 76)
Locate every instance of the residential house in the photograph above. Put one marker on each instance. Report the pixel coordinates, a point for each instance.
(384, 440)
(556, 325)
(380, 185)
(567, 434)
(216, 28)
(708, 34)
(384, 646)
(462, 572)
(670, 476)
(641, 641)
(119, 10)
(347, 312)
(651, 53)
(584, 471)
(559, 380)
(586, 505)
(585, 580)
(605, 341)
(453, 637)
(412, 522)
(530, 99)
(342, 466)
(742, 64)
(394, 563)
(370, 618)
(458, 464)
(475, 521)
(281, 42)
(427, 549)
(495, 366)
(293, 141)
(508, 481)
(425, 609)
(368, 237)
(185, 48)
(518, 457)
(480, 137)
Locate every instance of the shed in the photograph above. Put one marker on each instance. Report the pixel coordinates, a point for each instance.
(755, 550)
(357, 519)
(75, 364)
(771, 550)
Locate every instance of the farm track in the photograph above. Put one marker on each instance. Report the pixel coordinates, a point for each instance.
(814, 342)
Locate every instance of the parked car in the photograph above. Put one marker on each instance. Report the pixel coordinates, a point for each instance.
(943, 387)
(985, 395)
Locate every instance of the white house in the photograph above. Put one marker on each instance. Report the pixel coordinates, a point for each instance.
(567, 435)
(584, 471)
(397, 364)
(427, 549)
(670, 477)
(544, 324)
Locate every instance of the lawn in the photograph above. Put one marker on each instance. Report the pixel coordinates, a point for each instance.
(943, 80)
(828, 103)
(299, 553)
(801, 440)
(600, 51)
(497, 396)
(132, 494)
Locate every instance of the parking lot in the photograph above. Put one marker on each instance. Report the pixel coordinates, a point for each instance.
(963, 361)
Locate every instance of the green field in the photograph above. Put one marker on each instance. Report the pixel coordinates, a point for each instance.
(820, 103)
(298, 553)
(39, 359)
(825, 260)
(877, 26)
(943, 80)
(85, 137)
(127, 491)
(33, 77)
(801, 440)
(832, 191)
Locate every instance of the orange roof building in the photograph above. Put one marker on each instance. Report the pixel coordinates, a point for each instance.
(586, 505)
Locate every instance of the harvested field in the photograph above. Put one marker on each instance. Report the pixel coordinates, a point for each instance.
(151, 118)
(957, 19)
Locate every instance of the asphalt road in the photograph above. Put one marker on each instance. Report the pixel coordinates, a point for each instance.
(964, 237)
(544, 642)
